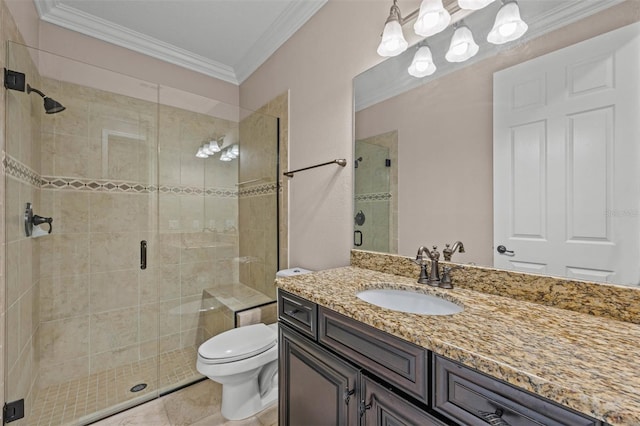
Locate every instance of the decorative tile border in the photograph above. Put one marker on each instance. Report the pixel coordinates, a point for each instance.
(62, 183)
(258, 190)
(20, 171)
(23, 173)
(376, 196)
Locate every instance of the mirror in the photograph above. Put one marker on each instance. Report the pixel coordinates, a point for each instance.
(438, 135)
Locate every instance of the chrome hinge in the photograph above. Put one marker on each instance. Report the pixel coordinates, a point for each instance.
(347, 395)
(13, 411)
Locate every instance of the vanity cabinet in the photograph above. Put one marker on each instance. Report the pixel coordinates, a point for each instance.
(316, 387)
(337, 371)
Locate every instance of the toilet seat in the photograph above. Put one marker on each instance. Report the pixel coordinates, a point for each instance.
(238, 344)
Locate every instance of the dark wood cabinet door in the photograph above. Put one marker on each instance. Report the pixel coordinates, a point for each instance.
(315, 387)
(382, 407)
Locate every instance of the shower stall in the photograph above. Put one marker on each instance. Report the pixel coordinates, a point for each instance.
(152, 249)
(376, 193)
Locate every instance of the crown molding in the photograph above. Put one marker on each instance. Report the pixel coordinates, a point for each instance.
(546, 22)
(290, 20)
(73, 19)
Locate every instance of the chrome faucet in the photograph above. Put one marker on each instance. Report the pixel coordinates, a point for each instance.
(420, 260)
(448, 252)
(434, 276)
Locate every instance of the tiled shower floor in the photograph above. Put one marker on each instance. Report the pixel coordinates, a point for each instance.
(97, 395)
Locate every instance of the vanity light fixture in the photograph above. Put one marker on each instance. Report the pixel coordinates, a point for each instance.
(509, 25)
(463, 46)
(393, 42)
(474, 4)
(432, 18)
(422, 64)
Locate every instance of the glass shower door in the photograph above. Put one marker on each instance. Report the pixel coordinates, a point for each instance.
(82, 314)
(372, 204)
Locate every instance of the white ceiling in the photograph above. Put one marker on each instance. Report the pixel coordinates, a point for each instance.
(225, 39)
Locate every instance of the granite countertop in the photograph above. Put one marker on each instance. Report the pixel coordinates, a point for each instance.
(578, 360)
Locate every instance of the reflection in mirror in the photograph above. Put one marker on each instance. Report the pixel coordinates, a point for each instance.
(549, 141)
(376, 188)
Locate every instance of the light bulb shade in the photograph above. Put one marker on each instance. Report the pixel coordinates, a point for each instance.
(508, 25)
(462, 46)
(422, 64)
(432, 18)
(474, 4)
(201, 153)
(393, 42)
(225, 157)
(235, 149)
(213, 147)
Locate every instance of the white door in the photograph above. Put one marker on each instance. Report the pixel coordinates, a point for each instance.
(566, 187)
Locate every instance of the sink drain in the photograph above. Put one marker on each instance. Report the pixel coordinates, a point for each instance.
(138, 387)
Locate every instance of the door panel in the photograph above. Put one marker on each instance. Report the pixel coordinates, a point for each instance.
(316, 387)
(565, 192)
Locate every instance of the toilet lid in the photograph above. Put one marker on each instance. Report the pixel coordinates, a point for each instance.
(238, 343)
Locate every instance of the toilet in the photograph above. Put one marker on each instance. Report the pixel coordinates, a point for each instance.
(244, 361)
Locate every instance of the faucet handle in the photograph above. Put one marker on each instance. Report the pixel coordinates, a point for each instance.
(446, 282)
(434, 254)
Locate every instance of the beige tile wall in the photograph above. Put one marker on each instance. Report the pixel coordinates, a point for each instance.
(257, 209)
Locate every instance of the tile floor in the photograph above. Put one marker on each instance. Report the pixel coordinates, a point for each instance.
(91, 397)
(196, 405)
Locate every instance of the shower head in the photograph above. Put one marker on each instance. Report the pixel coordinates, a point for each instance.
(51, 106)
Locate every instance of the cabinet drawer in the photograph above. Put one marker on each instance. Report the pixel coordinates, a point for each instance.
(471, 398)
(299, 313)
(400, 363)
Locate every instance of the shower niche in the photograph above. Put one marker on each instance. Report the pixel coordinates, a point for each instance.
(84, 323)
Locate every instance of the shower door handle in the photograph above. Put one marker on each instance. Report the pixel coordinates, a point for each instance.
(143, 254)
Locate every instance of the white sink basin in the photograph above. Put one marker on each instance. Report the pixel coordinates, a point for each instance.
(409, 301)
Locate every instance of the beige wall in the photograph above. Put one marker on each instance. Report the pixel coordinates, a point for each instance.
(317, 66)
(446, 169)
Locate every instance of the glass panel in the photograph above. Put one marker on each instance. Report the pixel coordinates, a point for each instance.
(217, 224)
(374, 183)
(82, 314)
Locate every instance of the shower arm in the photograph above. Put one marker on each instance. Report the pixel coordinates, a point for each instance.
(33, 89)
